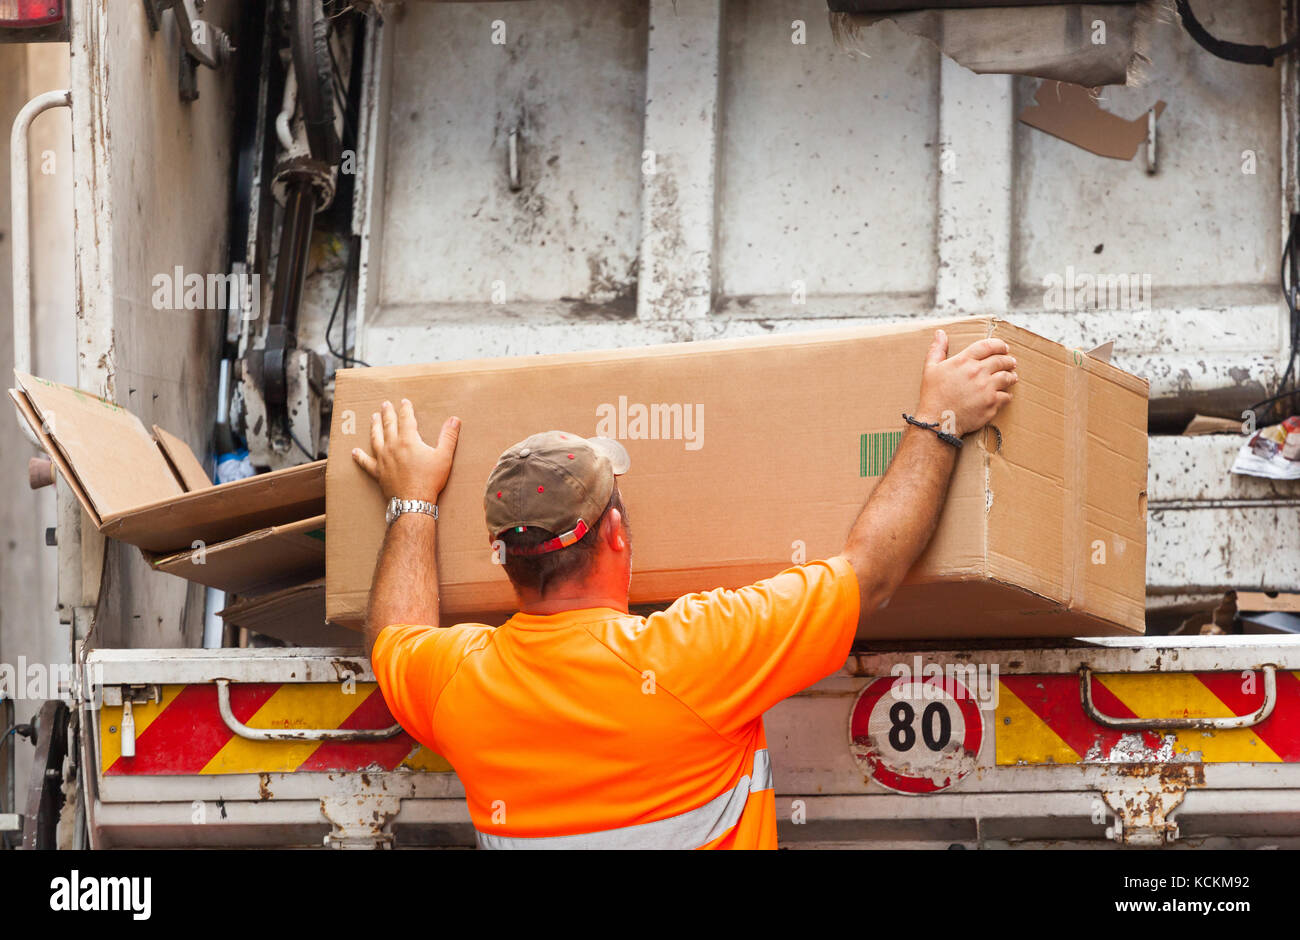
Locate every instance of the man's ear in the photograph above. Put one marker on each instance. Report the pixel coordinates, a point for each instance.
(612, 527)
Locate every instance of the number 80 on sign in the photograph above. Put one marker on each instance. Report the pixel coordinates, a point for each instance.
(916, 736)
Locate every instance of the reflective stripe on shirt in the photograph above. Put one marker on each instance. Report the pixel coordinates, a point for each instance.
(688, 830)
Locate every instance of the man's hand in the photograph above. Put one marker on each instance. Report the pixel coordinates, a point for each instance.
(964, 392)
(403, 464)
(405, 589)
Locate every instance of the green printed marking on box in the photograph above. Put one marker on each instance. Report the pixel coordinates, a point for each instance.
(876, 450)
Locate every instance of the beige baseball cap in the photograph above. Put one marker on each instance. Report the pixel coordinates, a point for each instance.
(556, 481)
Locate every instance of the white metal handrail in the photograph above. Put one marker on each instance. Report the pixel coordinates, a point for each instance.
(294, 734)
(1226, 723)
(21, 218)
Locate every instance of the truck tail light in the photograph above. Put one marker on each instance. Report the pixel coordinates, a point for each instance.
(24, 13)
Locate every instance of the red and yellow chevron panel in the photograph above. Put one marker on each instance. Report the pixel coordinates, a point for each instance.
(1040, 719)
(184, 733)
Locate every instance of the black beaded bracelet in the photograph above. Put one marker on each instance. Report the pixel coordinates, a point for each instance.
(944, 436)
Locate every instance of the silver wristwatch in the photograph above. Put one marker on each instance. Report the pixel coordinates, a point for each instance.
(398, 506)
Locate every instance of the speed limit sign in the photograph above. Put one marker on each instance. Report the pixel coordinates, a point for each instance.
(916, 736)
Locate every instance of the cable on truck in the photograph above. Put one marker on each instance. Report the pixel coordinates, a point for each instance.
(1243, 53)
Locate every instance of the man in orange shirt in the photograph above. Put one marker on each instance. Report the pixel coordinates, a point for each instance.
(579, 725)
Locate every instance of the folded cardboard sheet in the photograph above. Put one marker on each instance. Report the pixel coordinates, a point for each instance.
(151, 491)
(266, 560)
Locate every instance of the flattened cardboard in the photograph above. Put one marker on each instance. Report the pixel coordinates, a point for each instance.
(116, 463)
(1043, 533)
(133, 492)
(257, 563)
(225, 511)
(295, 615)
(185, 465)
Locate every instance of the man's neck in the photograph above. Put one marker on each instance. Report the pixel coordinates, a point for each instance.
(578, 601)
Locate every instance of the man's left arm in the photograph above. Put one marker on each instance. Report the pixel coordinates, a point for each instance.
(405, 586)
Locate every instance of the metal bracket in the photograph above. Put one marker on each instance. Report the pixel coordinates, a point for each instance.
(512, 160)
(115, 696)
(360, 822)
(127, 697)
(271, 431)
(201, 42)
(304, 379)
(1142, 807)
(1151, 142)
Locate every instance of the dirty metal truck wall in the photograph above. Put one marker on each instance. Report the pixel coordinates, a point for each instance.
(722, 168)
(702, 169)
(151, 196)
(569, 86)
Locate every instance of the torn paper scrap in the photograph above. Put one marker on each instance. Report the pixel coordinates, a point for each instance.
(1071, 113)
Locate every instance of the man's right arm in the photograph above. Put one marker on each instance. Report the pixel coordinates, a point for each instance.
(962, 393)
(755, 645)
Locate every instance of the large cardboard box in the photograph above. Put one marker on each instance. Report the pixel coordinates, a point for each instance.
(750, 455)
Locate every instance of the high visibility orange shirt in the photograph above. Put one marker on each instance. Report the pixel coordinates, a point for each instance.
(596, 728)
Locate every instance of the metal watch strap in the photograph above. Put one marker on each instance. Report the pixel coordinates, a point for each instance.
(944, 436)
(397, 507)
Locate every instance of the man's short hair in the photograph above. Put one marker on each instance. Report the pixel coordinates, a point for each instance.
(540, 572)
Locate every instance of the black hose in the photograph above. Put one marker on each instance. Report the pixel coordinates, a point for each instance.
(341, 354)
(1231, 51)
(26, 730)
(1286, 386)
